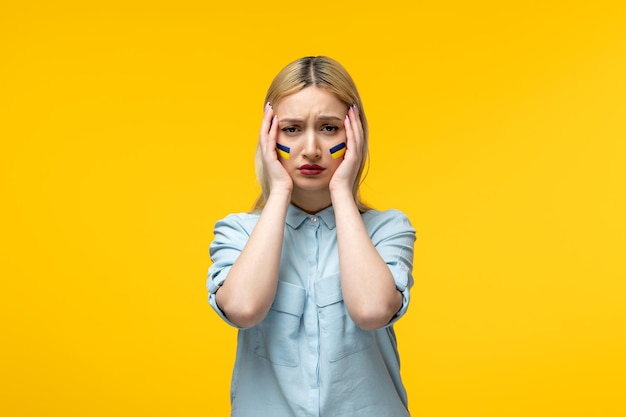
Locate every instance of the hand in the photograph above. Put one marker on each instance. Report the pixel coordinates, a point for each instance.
(276, 175)
(345, 175)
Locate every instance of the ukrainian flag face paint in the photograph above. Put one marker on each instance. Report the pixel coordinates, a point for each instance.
(337, 151)
(283, 151)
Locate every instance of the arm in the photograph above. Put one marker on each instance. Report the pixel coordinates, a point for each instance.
(368, 286)
(246, 296)
(369, 290)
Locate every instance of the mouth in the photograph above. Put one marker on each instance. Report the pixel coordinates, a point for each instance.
(311, 169)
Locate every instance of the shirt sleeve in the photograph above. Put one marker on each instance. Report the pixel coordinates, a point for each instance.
(393, 236)
(230, 238)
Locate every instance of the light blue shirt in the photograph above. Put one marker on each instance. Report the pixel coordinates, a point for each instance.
(307, 357)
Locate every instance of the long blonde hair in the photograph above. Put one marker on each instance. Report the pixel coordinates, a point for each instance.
(321, 72)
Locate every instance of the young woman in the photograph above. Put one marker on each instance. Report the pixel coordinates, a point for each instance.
(312, 277)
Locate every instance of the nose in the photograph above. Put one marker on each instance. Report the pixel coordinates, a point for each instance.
(312, 148)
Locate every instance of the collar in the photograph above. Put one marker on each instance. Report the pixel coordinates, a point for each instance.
(295, 216)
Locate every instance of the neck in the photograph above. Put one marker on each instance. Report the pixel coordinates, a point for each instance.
(310, 201)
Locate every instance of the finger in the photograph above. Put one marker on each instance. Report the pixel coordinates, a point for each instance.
(272, 135)
(357, 120)
(267, 118)
(355, 129)
(347, 123)
(266, 126)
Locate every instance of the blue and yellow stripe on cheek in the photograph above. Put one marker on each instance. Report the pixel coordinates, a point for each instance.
(337, 151)
(283, 151)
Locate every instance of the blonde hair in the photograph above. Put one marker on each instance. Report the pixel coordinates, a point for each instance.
(321, 72)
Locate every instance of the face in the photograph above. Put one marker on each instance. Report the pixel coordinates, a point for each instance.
(310, 123)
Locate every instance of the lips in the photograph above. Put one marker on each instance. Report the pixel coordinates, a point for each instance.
(311, 169)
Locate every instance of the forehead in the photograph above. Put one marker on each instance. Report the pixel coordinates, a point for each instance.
(311, 100)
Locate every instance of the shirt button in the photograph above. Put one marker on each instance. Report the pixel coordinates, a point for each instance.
(314, 219)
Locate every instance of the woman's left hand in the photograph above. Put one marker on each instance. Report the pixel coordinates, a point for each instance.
(345, 175)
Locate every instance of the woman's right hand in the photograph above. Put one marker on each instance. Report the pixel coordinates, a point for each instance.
(278, 178)
(248, 293)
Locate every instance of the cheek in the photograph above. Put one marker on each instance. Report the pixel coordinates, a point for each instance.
(334, 164)
(286, 163)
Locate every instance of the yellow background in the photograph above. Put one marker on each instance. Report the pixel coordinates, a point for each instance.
(128, 128)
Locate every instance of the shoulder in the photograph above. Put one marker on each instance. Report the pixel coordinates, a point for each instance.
(240, 221)
(386, 222)
(386, 216)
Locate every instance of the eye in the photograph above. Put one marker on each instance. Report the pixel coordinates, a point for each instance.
(290, 129)
(330, 128)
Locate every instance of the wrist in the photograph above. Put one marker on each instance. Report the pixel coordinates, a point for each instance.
(280, 193)
(340, 193)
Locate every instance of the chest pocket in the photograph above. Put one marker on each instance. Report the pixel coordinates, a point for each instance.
(339, 335)
(277, 335)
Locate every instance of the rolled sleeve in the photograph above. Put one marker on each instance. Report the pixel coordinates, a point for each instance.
(394, 237)
(404, 281)
(231, 235)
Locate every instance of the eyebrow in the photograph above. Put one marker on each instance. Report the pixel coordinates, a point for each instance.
(321, 118)
(288, 120)
(325, 117)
